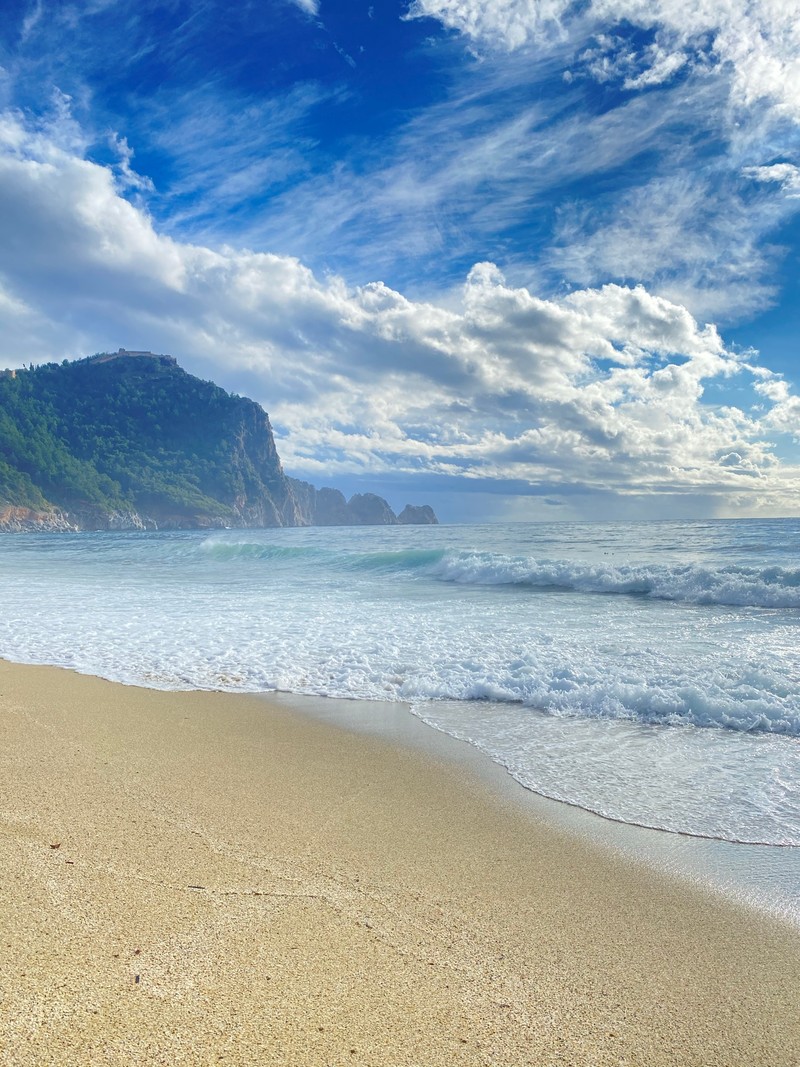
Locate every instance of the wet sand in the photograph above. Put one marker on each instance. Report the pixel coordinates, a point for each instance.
(202, 878)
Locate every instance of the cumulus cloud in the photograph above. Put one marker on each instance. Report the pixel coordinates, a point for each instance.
(603, 388)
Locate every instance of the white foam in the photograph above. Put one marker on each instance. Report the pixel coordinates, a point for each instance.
(770, 587)
(415, 615)
(704, 783)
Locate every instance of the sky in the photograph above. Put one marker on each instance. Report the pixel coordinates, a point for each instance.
(518, 259)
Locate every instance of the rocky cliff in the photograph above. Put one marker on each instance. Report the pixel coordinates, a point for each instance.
(131, 441)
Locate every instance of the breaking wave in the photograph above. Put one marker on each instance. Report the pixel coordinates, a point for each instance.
(768, 587)
(733, 585)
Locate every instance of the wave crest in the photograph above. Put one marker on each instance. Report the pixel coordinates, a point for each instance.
(768, 587)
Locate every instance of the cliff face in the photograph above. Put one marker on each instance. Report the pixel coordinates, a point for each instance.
(134, 442)
(131, 441)
(262, 494)
(27, 520)
(328, 507)
(320, 507)
(371, 510)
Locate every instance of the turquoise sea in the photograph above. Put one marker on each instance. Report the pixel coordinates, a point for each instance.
(648, 672)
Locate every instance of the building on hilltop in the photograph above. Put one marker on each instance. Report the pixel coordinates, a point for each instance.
(106, 357)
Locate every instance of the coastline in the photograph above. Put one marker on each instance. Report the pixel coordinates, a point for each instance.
(762, 877)
(288, 891)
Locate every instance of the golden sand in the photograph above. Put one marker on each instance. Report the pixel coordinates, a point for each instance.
(202, 878)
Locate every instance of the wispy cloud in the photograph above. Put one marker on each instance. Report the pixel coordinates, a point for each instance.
(787, 175)
(311, 7)
(754, 44)
(499, 158)
(602, 389)
(721, 84)
(228, 153)
(585, 144)
(30, 20)
(697, 237)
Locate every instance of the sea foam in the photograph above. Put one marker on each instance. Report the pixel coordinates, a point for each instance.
(681, 639)
(768, 587)
(731, 585)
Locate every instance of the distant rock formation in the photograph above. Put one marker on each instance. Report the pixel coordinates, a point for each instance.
(319, 507)
(129, 440)
(417, 515)
(368, 509)
(328, 507)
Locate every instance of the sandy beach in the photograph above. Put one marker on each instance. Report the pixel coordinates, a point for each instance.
(202, 878)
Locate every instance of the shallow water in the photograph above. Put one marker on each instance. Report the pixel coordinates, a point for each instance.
(644, 671)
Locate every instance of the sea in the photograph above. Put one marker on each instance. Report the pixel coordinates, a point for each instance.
(646, 672)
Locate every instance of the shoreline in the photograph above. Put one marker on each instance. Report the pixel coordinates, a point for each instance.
(765, 878)
(289, 891)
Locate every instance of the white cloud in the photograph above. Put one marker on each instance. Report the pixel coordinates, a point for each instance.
(30, 21)
(787, 175)
(503, 23)
(602, 389)
(753, 43)
(691, 237)
(128, 175)
(659, 67)
(311, 7)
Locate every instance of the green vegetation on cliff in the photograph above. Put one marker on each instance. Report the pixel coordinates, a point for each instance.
(129, 439)
(137, 434)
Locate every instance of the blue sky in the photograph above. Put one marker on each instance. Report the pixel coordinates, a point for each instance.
(516, 258)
